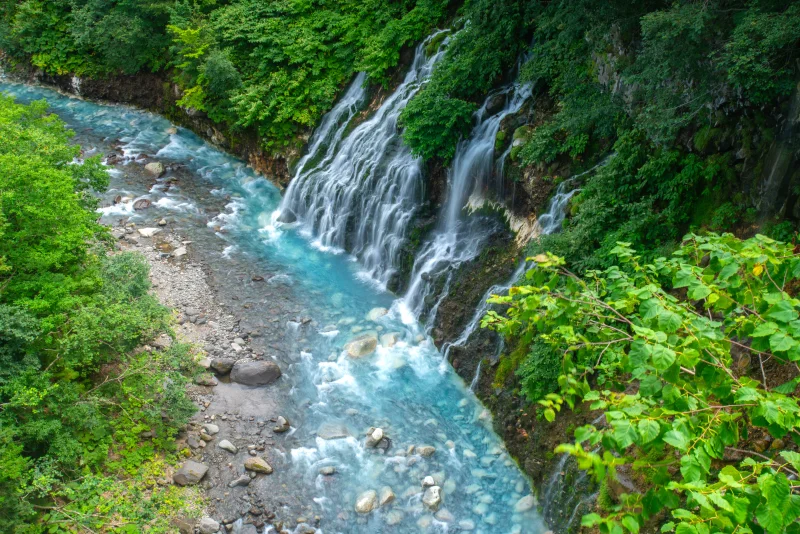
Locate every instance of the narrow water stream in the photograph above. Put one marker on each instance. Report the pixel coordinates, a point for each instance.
(330, 398)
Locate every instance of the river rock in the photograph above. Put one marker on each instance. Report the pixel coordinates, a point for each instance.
(428, 482)
(207, 526)
(432, 497)
(282, 425)
(333, 430)
(243, 480)
(142, 204)
(162, 222)
(495, 104)
(444, 515)
(211, 429)
(223, 366)
(255, 373)
(394, 517)
(206, 379)
(190, 473)
(287, 216)
(390, 339)
(387, 496)
(149, 232)
(259, 465)
(376, 313)
(228, 446)
(179, 252)
(374, 437)
(156, 168)
(525, 504)
(328, 470)
(367, 502)
(466, 524)
(426, 450)
(362, 346)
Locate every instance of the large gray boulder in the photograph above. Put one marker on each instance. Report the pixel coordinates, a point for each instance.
(255, 373)
(190, 473)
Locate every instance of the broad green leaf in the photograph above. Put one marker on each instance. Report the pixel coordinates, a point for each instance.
(781, 342)
(677, 439)
(782, 311)
(792, 457)
(630, 523)
(662, 357)
(765, 329)
(648, 430)
(669, 321)
(776, 494)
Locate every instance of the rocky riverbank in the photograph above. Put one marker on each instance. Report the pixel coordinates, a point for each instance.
(229, 441)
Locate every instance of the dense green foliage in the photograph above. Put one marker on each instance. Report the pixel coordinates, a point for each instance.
(639, 78)
(273, 66)
(74, 395)
(477, 58)
(674, 353)
(683, 93)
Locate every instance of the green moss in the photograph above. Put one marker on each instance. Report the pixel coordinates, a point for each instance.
(704, 137)
(433, 46)
(499, 140)
(605, 501)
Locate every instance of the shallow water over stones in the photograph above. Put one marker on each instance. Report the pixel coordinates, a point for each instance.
(301, 306)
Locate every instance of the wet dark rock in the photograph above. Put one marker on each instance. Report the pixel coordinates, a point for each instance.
(243, 480)
(287, 216)
(259, 373)
(142, 204)
(190, 473)
(222, 366)
(495, 104)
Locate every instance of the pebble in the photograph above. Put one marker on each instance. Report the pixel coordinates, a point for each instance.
(228, 446)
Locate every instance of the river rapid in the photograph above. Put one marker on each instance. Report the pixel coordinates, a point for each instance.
(303, 302)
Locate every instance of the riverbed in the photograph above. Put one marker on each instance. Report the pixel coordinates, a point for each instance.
(299, 303)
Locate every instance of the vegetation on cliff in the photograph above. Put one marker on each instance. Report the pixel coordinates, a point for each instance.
(74, 395)
(274, 66)
(693, 360)
(689, 95)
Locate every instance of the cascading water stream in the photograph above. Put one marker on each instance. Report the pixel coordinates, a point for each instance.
(458, 239)
(362, 194)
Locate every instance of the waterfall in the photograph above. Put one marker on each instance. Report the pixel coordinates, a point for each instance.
(550, 222)
(456, 239)
(362, 193)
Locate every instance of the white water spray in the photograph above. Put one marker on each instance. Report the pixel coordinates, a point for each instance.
(362, 194)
